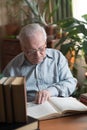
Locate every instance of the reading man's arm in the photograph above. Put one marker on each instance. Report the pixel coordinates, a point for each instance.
(67, 83)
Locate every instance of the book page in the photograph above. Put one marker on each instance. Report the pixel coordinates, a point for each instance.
(8, 81)
(2, 80)
(67, 103)
(40, 111)
(18, 81)
(31, 104)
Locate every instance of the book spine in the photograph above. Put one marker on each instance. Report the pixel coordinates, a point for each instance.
(19, 103)
(8, 104)
(2, 105)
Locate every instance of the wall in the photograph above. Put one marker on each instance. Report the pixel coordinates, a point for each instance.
(3, 18)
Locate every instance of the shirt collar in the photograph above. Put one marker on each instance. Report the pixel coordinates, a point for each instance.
(49, 53)
(22, 59)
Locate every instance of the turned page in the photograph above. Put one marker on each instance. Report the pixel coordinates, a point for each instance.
(40, 111)
(67, 104)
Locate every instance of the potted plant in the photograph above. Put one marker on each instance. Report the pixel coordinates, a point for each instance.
(75, 38)
(41, 14)
(32, 12)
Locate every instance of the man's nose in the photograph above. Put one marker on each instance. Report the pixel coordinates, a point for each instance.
(37, 52)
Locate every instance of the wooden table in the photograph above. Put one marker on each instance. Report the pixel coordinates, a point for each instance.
(76, 122)
(9, 48)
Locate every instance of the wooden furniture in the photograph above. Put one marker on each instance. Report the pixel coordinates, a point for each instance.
(9, 49)
(76, 122)
(31, 124)
(52, 43)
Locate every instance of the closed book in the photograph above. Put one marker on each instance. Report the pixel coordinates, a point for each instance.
(83, 100)
(84, 95)
(19, 99)
(2, 103)
(8, 99)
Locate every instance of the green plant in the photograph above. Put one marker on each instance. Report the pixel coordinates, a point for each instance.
(74, 39)
(38, 16)
(32, 10)
(76, 34)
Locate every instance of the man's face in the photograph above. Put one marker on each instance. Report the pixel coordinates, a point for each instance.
(35, 49)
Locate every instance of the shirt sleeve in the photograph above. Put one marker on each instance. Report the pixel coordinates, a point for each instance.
(67, 83)
(53, 91)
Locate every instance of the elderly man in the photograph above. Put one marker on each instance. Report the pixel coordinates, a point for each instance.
(46, 70)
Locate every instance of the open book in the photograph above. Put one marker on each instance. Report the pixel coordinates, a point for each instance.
(55, 107)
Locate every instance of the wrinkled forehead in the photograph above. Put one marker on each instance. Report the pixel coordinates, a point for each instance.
(34, 41)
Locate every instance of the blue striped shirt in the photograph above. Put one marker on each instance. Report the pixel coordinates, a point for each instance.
(52, 73)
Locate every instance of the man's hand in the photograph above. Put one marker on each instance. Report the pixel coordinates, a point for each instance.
(42, 96)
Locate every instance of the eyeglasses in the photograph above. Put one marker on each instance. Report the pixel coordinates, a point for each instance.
(33, 51)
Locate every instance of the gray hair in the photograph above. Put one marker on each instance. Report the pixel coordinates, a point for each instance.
(30, 30)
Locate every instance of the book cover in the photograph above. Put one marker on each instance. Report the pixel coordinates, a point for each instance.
(2, 102)
(83, 100)
(19, 99)
(84, 95)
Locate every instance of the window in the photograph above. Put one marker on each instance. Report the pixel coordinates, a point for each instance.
(79, 8)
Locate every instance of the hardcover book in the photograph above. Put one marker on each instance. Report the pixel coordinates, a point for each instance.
(8, 99)
(13, 99)
(84, 95)
(19, 99)
(83, 98)
(2, 105)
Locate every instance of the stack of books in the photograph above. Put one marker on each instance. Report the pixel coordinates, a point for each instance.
(83, 98)
(12, 99)
(13, 105)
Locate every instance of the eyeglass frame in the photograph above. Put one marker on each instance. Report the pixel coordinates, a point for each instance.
(33, 51)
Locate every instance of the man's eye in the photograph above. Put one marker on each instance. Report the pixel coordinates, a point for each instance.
(41, 48)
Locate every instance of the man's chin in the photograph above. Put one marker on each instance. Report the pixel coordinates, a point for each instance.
(36, 62)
